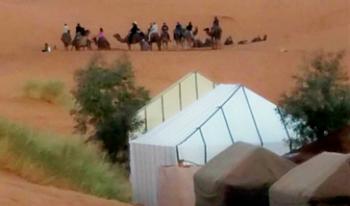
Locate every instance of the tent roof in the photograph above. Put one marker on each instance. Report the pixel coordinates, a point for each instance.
(243, 167)
(251, 166)
(324, 176)
(227, 114)
(175, 130)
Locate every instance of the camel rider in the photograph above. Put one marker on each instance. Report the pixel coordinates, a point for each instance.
(134, 30)
(178, 29)
(65, 29)
(153, 30)
(79, 30)
(101, 34)
(165, 29)
(215, 23)
(189, 27)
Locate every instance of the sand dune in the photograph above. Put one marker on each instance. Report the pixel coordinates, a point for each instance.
(17, 192)
(299, 27)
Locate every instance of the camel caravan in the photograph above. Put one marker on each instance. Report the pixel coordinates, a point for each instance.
(184, 37)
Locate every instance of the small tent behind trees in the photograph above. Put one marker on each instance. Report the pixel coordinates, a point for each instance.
(323, 180)
(225, 115)
(174, 99)
(240, 175)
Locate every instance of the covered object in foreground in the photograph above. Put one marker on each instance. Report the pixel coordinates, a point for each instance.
(240, 175)
(323, 180)
(176, 186)
(227, 114)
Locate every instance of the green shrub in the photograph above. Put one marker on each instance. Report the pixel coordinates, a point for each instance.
(320, 102)
(51, 91)
(67, 162)
(107, 100)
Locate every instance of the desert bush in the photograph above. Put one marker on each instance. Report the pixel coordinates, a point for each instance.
(67, 162)
(320, 102)
(107, 100)
(52, 91)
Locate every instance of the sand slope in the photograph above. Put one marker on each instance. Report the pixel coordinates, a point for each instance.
(17, 192)
(299, 26)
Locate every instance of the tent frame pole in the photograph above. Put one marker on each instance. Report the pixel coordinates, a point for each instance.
(251, 112)
(226, 122)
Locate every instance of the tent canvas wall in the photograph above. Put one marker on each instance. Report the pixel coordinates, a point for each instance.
(239, 175)
(323, 180)
(172, 100)
(227, 114)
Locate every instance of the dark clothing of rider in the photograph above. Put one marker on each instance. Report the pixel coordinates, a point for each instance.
(178, 27)
(134, 29)
(79, 29)
(189, 26)
(216, 22)
(165, 28)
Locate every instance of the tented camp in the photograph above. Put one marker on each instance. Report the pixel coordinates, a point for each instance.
(240, 175)
(227, 114)
(175, 98)
(322, 180)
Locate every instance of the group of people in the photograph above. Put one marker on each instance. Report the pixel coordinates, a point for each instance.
(81, 31)
(153, 28)
(179, 30)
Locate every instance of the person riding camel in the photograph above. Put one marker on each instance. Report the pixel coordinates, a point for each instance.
(189, 27)
(153, 30)
(215, 23)
(65, 29)
(178, 29)
(79, 29)
(134, 30)
(101, 34)
(165, 29)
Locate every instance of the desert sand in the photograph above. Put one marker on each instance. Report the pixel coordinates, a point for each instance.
(17, 192)
(300, 27)
(295, 30)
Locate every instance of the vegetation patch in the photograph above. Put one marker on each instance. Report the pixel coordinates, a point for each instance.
(320, 102)
(51, 91)
(66, 162)
(106, 102)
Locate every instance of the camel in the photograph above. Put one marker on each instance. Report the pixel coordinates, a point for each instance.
(165, 39)
(185, 38)
(258, 38)
(155, 38)
(215, 34)
(136, 39)
(102, 43)
(82, 42)
(242, 42)
(228, 41)
(66, 39)
(200, 44)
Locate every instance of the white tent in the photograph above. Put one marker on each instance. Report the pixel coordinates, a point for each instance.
(173, 99)
(227, 114)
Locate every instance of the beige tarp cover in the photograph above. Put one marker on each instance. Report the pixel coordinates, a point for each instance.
(324, 178)
(240, 175)
(176, 186)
